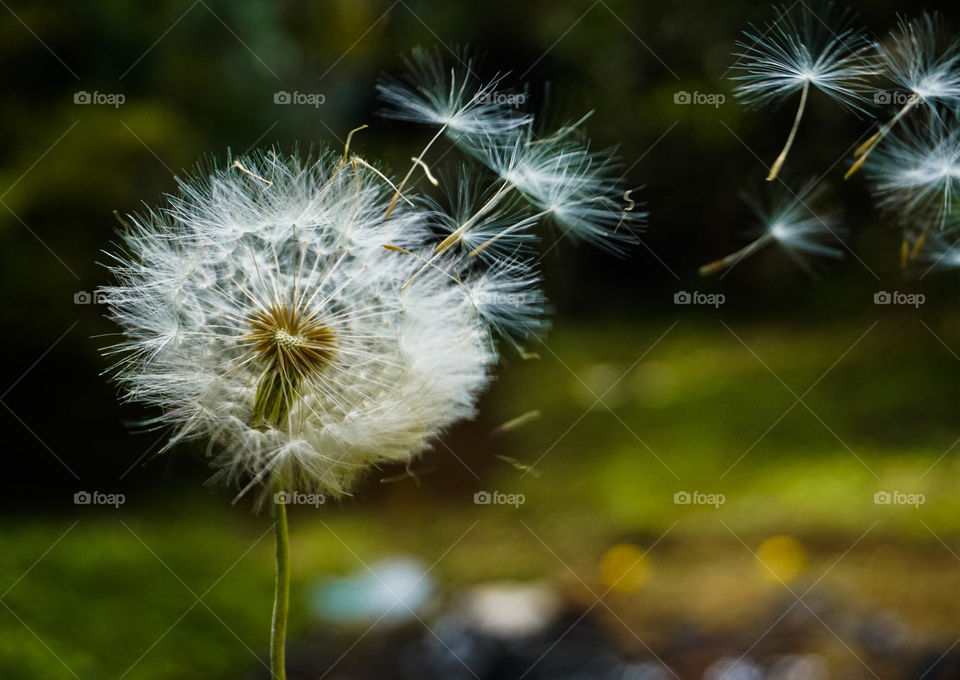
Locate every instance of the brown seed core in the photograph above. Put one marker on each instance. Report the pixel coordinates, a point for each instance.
(291, 346)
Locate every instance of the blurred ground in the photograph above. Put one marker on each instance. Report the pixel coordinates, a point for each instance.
(178, 584)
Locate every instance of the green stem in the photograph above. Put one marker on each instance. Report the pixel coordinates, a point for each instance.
(281, 597)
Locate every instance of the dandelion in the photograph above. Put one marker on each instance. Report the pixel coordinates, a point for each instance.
(261, 309)
(312, 320)
(261, 306)
(916, 173)
(797, 223)
(922, 58)
(789, 56)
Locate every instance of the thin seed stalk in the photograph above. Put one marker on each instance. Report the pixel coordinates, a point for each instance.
(281, 595)
(778, 164)
(733, 258)
(416, 162)
(917, 247)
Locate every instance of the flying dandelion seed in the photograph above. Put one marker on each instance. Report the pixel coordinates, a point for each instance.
(515, 423)
(522, 467)
(409, 473)
(576, 188)
(799, 224)
(454, 99)
(922, 57)
(823, 51)
(916, 173)
(501, 232)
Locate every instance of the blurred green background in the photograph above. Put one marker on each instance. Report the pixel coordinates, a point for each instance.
(798, 400)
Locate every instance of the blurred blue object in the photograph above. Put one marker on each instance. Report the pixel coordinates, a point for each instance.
(392, 589)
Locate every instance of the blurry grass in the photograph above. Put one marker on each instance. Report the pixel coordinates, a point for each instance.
(116, 596)
(705, 410)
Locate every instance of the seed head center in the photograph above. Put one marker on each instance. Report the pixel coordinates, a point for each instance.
(291, 342)
(292, 346)
(287, 340)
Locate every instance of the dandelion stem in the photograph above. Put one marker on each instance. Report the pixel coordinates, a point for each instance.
(777, 164)
(416, 162)
(281, 597)
(733, 258)
(865, 149)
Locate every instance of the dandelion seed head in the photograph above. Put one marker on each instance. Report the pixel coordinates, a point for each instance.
(295, 345)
